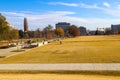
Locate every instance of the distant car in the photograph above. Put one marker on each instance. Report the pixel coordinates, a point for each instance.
(12, 45)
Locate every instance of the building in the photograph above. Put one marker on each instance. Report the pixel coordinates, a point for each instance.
(83, 31)
(108, 31)
(92, 32)
(63, 25)
(100, 31)
(25, 25)
(115, 29)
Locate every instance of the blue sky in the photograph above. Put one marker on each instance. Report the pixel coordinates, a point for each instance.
(40, 13)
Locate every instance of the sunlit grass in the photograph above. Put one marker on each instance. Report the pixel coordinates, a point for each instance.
(56, 77)
(87, 49)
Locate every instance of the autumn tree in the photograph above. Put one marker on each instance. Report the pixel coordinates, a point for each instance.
(73, 31)
(7, 32)
(4, 28)
(59, 32)
(13, 34)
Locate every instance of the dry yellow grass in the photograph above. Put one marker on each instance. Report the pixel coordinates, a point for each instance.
(55, 77)
(3, 43)
(86, 49)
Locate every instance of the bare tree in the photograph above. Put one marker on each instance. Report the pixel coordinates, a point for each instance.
(48, 32)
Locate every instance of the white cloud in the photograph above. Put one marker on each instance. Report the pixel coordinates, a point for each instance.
(63, 3)
(74, 4)
(35, 16)
(106, 4)
(113, 11)
(94, 6)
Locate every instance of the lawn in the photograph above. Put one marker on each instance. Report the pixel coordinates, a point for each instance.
(56, 77)
(3, 43)
(84, 49)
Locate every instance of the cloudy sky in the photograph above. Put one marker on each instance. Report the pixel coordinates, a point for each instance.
(40, 13)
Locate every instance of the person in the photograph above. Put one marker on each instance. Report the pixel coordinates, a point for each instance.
(60, 42)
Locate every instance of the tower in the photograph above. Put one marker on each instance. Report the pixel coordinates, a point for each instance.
(26, 28)
(25, 25)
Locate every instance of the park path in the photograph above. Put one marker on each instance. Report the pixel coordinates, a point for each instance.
(91, 67)
(8, 52)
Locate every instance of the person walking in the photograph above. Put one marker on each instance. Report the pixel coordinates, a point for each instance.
(60, 42)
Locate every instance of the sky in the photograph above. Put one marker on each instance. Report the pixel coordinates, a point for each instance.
(40, 13)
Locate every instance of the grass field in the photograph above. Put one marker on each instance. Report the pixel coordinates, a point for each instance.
(3, 43)
(84, 49)
(59, 75)
(56, 77)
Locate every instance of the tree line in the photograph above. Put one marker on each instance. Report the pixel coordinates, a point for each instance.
(49, 32)
(7, 32)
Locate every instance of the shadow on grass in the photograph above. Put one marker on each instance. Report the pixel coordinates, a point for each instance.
(2, 56)
(18, 51)
(105, 73)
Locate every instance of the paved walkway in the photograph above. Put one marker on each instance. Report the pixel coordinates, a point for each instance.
(91, 67)
(8, 52)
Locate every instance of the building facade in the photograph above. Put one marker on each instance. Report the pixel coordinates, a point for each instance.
(115, 29)
(83, 31)
(92, 32)
(63, 25)
(100, 31)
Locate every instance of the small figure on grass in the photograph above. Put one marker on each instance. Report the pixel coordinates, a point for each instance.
(60, 42)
